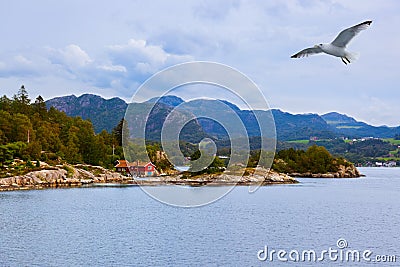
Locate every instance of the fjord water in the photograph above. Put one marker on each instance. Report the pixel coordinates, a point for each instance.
(125, 227)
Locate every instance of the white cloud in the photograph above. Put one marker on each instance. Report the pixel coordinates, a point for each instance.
(20, 65)
(117, 68)
(72, 56)
(22, 60)
(75, 56)
(379, 111)
(138, 55)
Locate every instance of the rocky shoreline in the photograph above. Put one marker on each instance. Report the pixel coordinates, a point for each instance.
(59, 176)
(264, 177)
(343, 172)
(87, 175)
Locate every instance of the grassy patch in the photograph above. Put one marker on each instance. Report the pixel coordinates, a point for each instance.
(96, 172)
(348, 127)
(392, 141)
(304, 141)
(92, 169)
(17, 169)
(70, 170)
(388, 159)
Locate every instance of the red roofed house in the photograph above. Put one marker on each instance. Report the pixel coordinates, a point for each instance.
(136, 168)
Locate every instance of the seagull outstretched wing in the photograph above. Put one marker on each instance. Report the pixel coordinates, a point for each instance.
(307, 52)
(346, 35)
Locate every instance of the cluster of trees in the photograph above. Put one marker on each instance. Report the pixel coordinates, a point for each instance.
(366, 148)
(199, 160)
(316, 159)
(358, 152)
(32, 132)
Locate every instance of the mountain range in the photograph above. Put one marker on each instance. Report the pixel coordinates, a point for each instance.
(106, 113)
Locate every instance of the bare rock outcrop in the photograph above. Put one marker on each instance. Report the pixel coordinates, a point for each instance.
(61, 176)
(258, 177)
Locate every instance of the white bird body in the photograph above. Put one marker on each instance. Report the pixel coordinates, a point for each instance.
(333, 50)
(337, 47)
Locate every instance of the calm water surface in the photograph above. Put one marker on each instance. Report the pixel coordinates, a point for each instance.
(125, 227)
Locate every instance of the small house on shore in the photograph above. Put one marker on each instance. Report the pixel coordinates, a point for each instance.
(137, 168)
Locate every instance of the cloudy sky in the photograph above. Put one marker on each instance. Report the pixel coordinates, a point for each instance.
(109, 48)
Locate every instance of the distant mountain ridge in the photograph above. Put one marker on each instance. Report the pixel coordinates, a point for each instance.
(301, 126)
(106, 113)
(335, 118)
(347, 126)
(103, 113)
(168, 100)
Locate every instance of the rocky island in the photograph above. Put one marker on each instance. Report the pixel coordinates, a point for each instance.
(343, 171)
(86, 175)
(315, 162)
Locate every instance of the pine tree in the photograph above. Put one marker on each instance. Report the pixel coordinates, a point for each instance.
(121, 133)
(21, 101)
(40, 107)
(22, 96)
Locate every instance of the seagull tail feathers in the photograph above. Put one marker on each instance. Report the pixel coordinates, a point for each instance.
(353, 56)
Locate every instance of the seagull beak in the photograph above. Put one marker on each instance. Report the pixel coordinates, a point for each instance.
(316, 46)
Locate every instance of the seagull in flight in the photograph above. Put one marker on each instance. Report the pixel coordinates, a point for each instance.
(337, 47)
